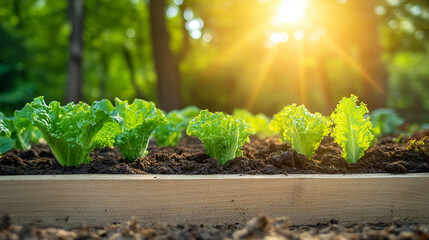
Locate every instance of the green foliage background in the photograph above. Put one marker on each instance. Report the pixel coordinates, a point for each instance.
(34, 36)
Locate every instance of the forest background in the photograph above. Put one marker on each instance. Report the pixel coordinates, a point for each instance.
(218, 54)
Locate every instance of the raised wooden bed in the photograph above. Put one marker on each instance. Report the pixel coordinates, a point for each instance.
(73, 200)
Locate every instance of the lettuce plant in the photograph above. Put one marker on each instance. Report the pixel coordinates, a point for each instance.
(69, 130)
(6, 143)
(139, 121)
(222, 135)
(23, 136)
(352, 131)
(107, 135)
(300, 128)
(386, 121)
(170, 133)
(260, 122)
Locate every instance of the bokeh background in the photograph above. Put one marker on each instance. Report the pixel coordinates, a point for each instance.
(218, 54)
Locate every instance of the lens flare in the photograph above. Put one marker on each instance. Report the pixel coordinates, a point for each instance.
(290, 11)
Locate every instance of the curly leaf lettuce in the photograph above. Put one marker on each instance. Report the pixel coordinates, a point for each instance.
(6, 143)
(139, 121)
(170, 133)
(188, 113)
(300, 128)
(69, 130)
(386, 121)
(107, 135)
(260, 122)
(23, 136)
(222, 135)
(352, 131)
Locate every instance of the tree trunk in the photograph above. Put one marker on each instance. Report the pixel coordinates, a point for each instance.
(74, 83)
(165, 63)
(374, 95)
(129, 61)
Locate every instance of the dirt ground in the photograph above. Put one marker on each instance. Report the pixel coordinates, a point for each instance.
(261, 156)
(260, 227)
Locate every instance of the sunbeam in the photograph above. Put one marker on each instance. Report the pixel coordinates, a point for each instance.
(302, 77)
(235, 48)
(352, 63)
(262, 74)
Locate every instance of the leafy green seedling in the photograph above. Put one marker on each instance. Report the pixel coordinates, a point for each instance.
(260, 122)
(139, 121)
(170, 133)
(300, 128)
(69, 130)
(352, 131)
(222, 135)
(6, 143)
(420, 146)
(386, 121)
(24, 136)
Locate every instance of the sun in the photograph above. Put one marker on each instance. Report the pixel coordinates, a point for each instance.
(290, 11)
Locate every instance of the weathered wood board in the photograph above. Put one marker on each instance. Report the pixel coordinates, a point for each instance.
(74, 200)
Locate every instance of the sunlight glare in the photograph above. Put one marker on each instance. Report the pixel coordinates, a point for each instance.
(130, 33)
(195, 34)
(279, 37)
(207, 37)
(172, 11)
(290, 11)
(188, 14)
(299, 35)
(178, 2)
(194, 24)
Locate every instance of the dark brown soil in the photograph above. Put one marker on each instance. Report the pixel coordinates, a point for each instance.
(261, 156)
(261, 227)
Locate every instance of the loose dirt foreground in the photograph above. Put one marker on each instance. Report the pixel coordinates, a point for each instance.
(261, 156)
(261, 227)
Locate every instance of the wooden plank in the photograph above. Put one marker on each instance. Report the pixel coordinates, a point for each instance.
(73, 200)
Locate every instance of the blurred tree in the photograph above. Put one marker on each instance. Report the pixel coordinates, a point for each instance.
(229, 53)
(405, 37)
(118, 54)
(13, 93)
(375, 87)
(74, 83)
(165, 62)
(39, 43)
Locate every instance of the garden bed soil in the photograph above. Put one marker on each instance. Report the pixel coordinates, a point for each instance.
(261, 156)
(261, 227)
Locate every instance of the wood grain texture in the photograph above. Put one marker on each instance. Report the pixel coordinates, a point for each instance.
(73, 200)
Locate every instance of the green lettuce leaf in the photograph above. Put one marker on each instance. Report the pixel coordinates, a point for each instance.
(139, 121)
(260, 122)
(386, 121)
(69, 130)
(106, 137)
(222, 135)
(352, 131)
(23, 136)
(4, 131)
(6, 143)
(170, 133)
(300, 128)
(188, 113)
